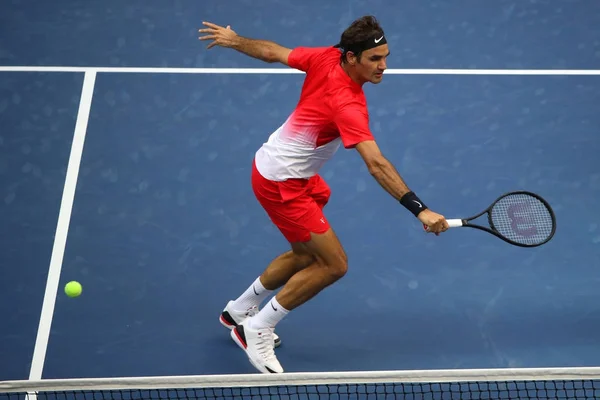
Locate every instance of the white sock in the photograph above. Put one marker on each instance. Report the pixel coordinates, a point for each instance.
(253, 296)
(269, 315)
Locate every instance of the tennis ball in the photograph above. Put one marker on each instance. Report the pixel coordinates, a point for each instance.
(73, 289)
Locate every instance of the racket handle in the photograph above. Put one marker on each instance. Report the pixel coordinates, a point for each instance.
(455, 223)
(452, 223)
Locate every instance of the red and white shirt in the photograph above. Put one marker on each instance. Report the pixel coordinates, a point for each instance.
(332, 111)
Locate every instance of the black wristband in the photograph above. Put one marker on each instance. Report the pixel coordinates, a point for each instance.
(413, 203)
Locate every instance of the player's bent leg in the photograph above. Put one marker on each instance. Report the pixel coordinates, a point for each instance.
(331, 265)
(255, 335)
(296, 210)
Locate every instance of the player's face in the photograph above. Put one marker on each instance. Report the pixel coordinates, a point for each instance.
(373, 63)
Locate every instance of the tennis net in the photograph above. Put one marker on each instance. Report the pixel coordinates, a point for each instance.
(532, 383)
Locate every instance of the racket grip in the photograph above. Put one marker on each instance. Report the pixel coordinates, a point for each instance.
(452, 223)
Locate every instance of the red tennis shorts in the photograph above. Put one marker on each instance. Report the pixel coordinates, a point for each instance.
(295, 206)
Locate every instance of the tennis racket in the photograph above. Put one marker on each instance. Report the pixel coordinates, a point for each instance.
(520, 218)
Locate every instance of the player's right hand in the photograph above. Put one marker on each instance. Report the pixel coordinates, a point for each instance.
(434, 222)
(220, 36)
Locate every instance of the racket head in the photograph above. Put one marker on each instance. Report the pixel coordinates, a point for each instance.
(522, 218)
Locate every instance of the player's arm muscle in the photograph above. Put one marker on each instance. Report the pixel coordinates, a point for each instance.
(264, 50)
(381, 169)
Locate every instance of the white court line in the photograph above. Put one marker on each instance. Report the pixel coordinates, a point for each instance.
(294, 71)
(62, 228)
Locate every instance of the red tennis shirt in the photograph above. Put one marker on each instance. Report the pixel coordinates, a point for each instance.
(332, 111)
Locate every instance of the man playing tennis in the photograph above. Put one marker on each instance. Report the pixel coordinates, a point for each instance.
(332, 111)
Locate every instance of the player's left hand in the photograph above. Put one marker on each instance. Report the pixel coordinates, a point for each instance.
(220, 36)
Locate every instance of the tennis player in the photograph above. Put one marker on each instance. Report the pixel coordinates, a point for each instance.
(331, 112)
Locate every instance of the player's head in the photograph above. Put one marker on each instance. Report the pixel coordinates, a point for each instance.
(364, 49)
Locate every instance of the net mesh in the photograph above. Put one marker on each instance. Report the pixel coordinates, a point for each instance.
(576, 383)
(523, 219)
(475, 390)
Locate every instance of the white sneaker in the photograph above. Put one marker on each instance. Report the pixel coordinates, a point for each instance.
(259, 347)
(230, 318)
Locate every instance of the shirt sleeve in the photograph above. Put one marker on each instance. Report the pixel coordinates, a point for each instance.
(352, 121)
(302, 58)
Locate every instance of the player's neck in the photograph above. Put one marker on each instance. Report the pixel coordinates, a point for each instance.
(351, 72)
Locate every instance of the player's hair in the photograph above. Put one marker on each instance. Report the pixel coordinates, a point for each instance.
(358, 32)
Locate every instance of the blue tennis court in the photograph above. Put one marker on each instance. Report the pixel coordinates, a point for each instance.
(163, 228)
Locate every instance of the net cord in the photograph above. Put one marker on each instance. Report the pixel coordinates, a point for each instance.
(302, 378)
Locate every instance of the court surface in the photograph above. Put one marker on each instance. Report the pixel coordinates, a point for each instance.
(159, 224)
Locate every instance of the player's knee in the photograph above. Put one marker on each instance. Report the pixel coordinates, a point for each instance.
(342, 266)
(338, 266)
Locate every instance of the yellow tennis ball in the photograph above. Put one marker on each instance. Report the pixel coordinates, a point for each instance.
(73, 289)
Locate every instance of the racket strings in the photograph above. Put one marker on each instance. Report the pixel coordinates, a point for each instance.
(522, 218)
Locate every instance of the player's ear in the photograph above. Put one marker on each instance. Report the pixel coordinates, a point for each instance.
(351, 58)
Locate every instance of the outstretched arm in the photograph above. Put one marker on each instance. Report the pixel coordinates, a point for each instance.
(352, 120)
(263, 50)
